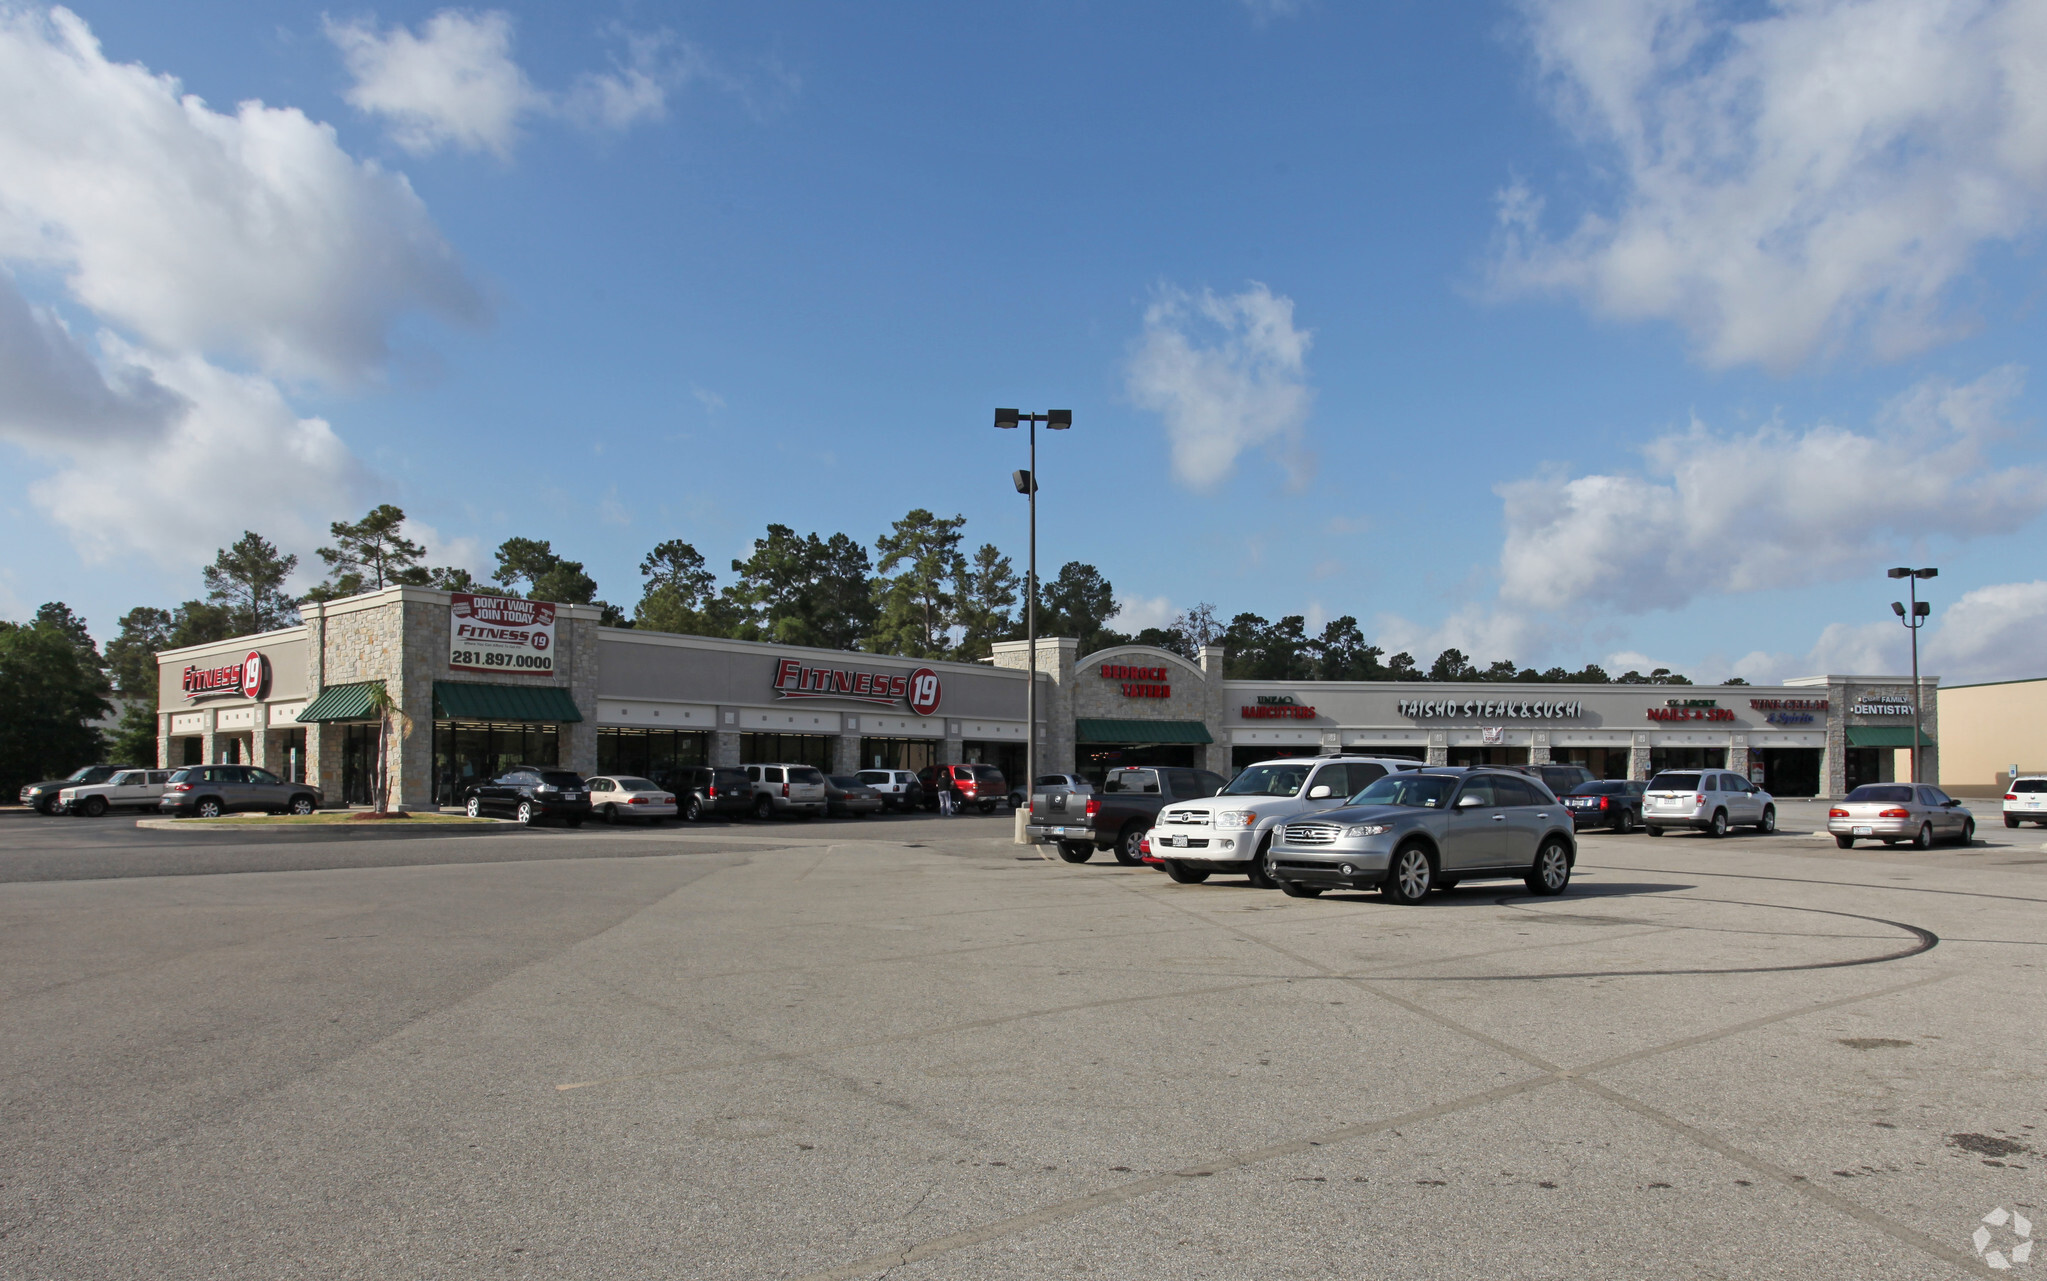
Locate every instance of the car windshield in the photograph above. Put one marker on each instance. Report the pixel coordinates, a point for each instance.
(182, 776)
(636, 785)
(561, 778)
(1674, 783)
(80, 776)
(1417, 791)
(1870, 794)
(805, 775)
(1269, 780)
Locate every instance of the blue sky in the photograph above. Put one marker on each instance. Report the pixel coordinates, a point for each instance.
(1587, 331)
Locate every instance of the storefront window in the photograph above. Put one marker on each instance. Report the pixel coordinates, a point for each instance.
(791, 749)
(290, 754)
(1663, 758)
(656, 754)
(358, 764)
(467, 752)
(1007, 757)
(898, 753)
(1789, 771)
(1603, 762)
(1097, 759)
(1469, 756)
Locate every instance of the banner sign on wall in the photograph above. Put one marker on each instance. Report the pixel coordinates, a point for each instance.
(501, 634)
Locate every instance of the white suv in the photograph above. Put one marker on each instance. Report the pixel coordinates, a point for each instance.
(1707, 800)
(1231, 831)
(898, 787)
(2025, 801)
(136, 789)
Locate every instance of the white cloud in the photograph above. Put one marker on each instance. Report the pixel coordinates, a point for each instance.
(454, 84)
(238, 457)
(1225, 373)
(1484, 634)
(1770, 508)
(1135, 613)
(250, 234)
(1789, 177)
(1992, 633)
(54, 390)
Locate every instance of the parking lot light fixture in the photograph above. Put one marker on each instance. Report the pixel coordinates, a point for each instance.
(1027, 484)
(1913, 619)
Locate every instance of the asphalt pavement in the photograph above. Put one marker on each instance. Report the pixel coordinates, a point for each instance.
(906, 1047)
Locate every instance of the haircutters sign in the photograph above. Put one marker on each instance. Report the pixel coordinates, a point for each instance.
(500, 634)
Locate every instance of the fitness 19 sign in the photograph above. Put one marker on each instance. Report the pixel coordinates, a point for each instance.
(500, 634)
(920, 689)
(250, 678)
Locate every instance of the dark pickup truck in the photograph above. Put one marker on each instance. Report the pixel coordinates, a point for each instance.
(1116, 815)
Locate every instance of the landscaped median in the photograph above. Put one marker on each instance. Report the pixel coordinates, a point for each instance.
(324, 818)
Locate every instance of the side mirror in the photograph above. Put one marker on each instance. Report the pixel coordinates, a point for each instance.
(1466, 802)
(1318, 793)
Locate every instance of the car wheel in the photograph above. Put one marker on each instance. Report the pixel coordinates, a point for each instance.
(1294, 889)
(1718, 828)
(1076, 851)
(1924, 840)
(693, 810)
(1845, 842)
(574, 820)
(1769, 820)
(1552, 871)
(763, 809)
(474, 808)
(1411, 875)
(524, 813)
(208, 808)
(1625, 823)
(302, 805)
(2009, 821)
(94, 806)
(1181, 874)
(987, 807)
(1126, 845)
(1652, 829)
(611, 814)
(47, 808)
(1260, 871)
(1968, 836)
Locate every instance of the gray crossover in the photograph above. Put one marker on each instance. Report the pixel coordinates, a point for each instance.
(1427, 829)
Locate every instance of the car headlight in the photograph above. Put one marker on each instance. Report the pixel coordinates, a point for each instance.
(1236, 818)
(1368, 829)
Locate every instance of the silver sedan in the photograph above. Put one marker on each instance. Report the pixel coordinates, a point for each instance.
(1900, 812)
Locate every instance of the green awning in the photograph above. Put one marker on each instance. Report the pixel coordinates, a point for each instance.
(1102, 730)
(342, 703)
(1871, 736)
(460, 700)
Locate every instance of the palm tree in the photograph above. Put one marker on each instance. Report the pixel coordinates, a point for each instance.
(390, 717)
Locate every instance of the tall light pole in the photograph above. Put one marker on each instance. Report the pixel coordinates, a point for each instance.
(1914, 620)
(1027, 485)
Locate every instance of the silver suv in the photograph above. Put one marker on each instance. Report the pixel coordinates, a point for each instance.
(208, 791)
(1231, 832)
(1708, 800)
(786, 789)
(1428, 829)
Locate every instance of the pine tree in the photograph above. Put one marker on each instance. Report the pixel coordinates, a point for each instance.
(369, 555)
(248, 579)
(918, 606)
(988, 590)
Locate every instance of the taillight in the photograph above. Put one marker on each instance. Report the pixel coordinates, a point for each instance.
(714, 791)
(1094, 807)
(1699, 800)
(2011, 796)
(1894, 813)
(1837, 813)
(1603, 802)
(179, 787)
(638, 800)
(785, 789)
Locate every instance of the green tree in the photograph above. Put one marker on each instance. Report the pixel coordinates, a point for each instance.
(369, 555)
(131, 661)
(247, 580)
(452, 578)
(1198, 625)
(989, 590)
(1170, 639)
(1079, 603)
(52, 689)
(1401, 667)
(1452, 665)
(1256, 650)
(1504, 669)
(532, 562)
(918, 606)
(680, 595)
(1341, 653)
(803, 590)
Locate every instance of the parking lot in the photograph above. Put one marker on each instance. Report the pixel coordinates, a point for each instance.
(906, 1046)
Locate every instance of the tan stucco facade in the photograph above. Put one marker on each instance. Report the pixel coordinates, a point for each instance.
(1987, 729)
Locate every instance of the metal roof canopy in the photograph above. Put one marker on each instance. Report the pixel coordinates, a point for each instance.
(1103, 730)
(461, 700)
(342, 703)
(1884, 736)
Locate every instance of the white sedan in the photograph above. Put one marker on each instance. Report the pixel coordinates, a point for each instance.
(621, 796)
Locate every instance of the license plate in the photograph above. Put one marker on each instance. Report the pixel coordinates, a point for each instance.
(1864, 831)
(1177, 842)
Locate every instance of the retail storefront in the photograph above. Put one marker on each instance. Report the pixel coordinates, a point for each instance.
(475, 684)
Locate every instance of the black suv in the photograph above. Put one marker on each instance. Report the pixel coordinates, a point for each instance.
(43, 796)
(530, 793)
(702, 791)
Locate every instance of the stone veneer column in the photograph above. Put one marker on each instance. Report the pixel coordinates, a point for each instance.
(1218, 757)
(1056, 657)
(259, 741)
(580, 745)
(846, 752)
(1738, 754)
(725, 742)
(954, 752)
(163, 740)
(1638, 758)
(1834, 761)
(1439, 747)
(209, 742)
(1538, 747)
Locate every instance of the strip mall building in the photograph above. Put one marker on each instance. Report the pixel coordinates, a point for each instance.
(486, 682)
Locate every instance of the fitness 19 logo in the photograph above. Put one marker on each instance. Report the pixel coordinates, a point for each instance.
(923, 695)
(255, 676)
